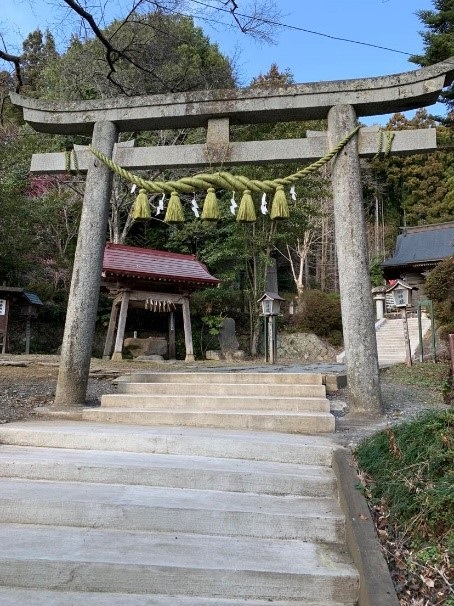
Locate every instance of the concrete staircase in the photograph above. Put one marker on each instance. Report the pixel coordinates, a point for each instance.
(115, 513)
(390, 339)
(288, 402)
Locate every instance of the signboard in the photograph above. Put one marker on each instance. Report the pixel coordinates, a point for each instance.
(399, 297)
(2, 307)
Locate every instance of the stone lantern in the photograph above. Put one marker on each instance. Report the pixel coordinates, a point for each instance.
(271, 307)
(379, 296)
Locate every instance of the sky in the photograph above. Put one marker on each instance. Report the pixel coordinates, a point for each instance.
(309, 57)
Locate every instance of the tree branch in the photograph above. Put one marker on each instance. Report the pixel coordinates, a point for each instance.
(15, 60)
(113, 53)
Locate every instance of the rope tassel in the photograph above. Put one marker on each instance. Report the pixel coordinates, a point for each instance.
(246, 211)
(174, 213)
(279, 207)
(210, 210)
(141, 208)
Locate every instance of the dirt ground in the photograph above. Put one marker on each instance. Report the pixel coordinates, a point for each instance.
(27, 382)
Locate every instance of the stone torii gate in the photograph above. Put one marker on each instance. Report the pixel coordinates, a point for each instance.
(339, 101)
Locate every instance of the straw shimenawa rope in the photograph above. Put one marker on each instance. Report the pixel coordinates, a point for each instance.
(221, 179)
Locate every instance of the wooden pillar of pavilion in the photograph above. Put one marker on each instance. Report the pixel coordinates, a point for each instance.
(117, 355)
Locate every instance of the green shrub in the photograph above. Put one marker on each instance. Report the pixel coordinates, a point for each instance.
(439, 287)
(320, 312)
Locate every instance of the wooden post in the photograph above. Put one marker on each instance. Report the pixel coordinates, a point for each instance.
(272, 339)
(117, 355)
(354, 282)
(4, 325)
(111, 330)
(265, 338)
(451, 352)
(86, 277)
(187, 330)
(27, 334)
(406, 337)
(172, 348)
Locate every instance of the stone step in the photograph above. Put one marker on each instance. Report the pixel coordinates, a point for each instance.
(66, 558)
(203, 442)
(222, 389)
(390, 339)
(173, 471)
(200, 403)
(392, 350)
(146, 508)
(205, 378)
(270, 420)
(36, 597)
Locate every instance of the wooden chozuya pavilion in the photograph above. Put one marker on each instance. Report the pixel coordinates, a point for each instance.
(150, 279)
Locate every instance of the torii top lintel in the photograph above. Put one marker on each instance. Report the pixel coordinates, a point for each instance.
(369, 97)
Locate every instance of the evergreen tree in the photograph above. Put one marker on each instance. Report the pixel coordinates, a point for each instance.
(416, 186)
(38, 52)
(438, 39)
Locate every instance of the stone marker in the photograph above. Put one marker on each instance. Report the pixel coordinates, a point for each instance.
(227, 336)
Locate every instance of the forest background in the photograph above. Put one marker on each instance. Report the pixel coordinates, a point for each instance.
(157, 50)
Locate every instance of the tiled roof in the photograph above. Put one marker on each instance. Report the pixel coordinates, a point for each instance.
(423, 244)
(146, 263)
(32, 298)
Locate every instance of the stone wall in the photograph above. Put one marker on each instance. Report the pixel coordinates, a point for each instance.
(304, 347)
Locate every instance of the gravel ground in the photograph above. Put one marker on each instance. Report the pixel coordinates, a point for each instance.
(401, 403)
(27, 382)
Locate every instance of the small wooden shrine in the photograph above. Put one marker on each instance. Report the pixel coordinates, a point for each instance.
(154, 280)
(29, 303)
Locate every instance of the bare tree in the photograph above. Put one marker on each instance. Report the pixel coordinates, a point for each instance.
(298, 253)
(258, 19)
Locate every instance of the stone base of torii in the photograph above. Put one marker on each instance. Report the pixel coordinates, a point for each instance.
(342, 102)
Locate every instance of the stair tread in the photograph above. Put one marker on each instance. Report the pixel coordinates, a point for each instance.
(13, 596)
(239, 376)
(222, 411)
(168, 550)
(45, 491)
(196, 397)
(165, 439)
(116, 459)
(96, 429)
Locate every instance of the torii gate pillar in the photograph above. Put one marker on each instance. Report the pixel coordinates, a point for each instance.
(354, 282)
(86, 277)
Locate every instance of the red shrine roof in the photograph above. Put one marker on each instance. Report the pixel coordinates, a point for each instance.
(158, 265)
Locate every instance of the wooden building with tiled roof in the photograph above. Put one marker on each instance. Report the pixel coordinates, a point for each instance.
(154, 280)
(418, 250)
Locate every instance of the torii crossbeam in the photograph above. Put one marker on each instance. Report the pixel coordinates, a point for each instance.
(340, 101)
